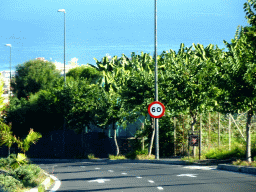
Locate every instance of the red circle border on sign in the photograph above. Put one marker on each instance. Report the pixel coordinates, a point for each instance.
(156, 102)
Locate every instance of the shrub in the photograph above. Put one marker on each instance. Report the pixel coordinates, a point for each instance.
(143, 156)
(91, 156)
(237, 162)
(216, 153)
(41, 188)
(133, 154)
(3, 162)
(9, 183)
(113, 157)
(253, 164)
(244, 163)
(27, 174)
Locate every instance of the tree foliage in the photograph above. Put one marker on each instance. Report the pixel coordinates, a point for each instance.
(32, 76)
(89, 72)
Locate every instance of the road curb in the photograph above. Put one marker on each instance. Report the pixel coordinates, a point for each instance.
(177, 162)
(236, 168)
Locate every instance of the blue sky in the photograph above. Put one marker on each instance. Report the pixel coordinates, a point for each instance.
(95, 28)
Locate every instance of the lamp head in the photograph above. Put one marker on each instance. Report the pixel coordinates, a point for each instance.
(61, 10)
(8, 45)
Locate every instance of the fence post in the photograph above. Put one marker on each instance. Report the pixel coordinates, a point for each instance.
(229, 132)
(209, 130)
(143, 146)
(218, 130)
(200, 136)
(174, 121)
(183, 145)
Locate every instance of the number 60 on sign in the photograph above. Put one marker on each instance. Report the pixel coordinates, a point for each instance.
(156, 109)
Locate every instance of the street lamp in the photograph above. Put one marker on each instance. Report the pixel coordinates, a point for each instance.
(64, 127)
(9, 45)
(63, 10)
(156, 85)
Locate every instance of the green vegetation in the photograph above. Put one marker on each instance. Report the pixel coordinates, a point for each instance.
(91, 156)
(33, 76)
(117, 157)
(244, 163)
(205, 87)
(22, 178)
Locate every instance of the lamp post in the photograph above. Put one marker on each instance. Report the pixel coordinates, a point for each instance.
(63, 10)
(64, 124)
(9, 45)
(156, 86)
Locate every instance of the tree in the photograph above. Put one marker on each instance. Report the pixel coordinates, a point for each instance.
(33, 76)
(137, 91)
(89, 72)
(2, 104)
(113, 80)
(237, 79)
(187, 82)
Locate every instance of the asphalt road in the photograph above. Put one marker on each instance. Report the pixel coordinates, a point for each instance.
(140, 177)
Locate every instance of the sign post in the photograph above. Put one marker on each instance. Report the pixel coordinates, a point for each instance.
(156, 110)
(193, 139)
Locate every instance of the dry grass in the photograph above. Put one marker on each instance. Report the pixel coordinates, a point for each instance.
(118, 157)
(145, 157)
(91, 156)
(244, 163)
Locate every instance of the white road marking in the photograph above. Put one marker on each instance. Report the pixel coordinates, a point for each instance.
(110, 170)
(200, 167)
(56, 184)
(188, 175)
(124, 173)
(150, 181)
(160, 188)
(82, 166)
(139, 177)
(100, 180)
(97, 168)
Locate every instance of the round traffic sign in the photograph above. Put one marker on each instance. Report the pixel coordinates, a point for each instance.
(156, 109)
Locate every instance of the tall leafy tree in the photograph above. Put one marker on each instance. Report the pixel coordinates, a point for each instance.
(32, 76)
(237, 78)
(187, 83)
(88, 72)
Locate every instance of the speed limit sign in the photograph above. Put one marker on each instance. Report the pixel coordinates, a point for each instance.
(156, 109)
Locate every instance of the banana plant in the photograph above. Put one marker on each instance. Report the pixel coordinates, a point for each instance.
(6, 136)
(25, 144)
(18, 161)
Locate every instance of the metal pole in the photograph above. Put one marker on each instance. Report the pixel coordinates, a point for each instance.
(10, 71)
(200, 137)
(156, 84)
(64, 46)
(174, 141)
(64, 125)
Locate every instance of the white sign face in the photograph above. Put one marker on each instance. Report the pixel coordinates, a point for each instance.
(156, 109)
